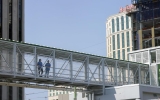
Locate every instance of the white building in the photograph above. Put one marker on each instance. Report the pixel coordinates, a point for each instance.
(58, 95)
(119, 36)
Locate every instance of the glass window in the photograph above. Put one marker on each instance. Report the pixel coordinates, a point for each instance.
(128, 39)
(56, 93)
(123, 41)
(117, 23)
(127, 22)
(0, 18)
(50, 94)
(123, 53)
(118, 41)
(122, 23)
(114, 54)
(118, 54)
(113, 42)
(113, 28)
(53, 94)
(128, 49)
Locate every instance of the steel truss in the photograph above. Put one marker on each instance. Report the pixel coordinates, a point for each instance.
(68, 68)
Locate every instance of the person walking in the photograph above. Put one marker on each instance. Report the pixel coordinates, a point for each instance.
(47, 65)
(40, 67)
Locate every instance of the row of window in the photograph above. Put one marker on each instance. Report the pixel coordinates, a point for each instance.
(119, 54)
(122, 23)
(57, 93)
(118, 40)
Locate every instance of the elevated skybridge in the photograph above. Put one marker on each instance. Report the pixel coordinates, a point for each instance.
(18, 67)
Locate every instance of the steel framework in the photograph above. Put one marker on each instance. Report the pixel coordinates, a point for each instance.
(18, 66)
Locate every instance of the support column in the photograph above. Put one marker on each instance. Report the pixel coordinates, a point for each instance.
(139, 73)
(75, 93)
(116, 72)
(153, 35)
(128, 73)
(54, 65)
(14, 59)
(71, 68)
(89, 96)
(15, 91)
(140, 39)
(103, 76)
(35, 62)
(93, 96)
(87, 69)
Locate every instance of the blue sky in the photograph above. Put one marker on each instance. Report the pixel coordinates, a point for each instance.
(77, 25)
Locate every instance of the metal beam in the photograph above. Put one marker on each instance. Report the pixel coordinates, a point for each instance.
(71, 68)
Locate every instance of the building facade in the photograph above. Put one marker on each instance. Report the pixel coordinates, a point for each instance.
(58, 95)
(11, 27)
(119, 36)
(146, 23)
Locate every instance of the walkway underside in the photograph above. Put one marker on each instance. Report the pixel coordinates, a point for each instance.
(18, 66)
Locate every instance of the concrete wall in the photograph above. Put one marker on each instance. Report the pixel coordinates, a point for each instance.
(79, 96)
(120, 93)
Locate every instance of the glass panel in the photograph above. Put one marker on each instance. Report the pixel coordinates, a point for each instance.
(118, 54)
(127, 22)
(123, 53)
(128, 39)
(113, 28)
(118, 41)
(113, 42)
(122, 23)
(117, 24)
(123, 43)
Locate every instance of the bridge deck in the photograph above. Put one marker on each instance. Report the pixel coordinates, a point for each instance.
(18, 65)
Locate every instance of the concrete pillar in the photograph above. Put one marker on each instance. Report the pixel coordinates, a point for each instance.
(153, 35)
(4, 93)
(15, 19)
(89, 95)
(5, 19)
(15, 93)
(92, 96)
(140, 39)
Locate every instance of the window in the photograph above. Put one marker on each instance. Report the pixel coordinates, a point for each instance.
(53, 94)
(122, 23)
(114, 54)
(10, 92)
(119, 54)
(123, 43)
(127, 22)
(123, 53)
(113, 42)
(50, 94)
(117, 23)
(56, 93)
(113, 28)
(128, 49)
(118, 41)
(128, 41)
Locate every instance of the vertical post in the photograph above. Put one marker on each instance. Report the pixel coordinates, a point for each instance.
(116, 72)
(128, 73)
(14, 59)
(71, 68)
(87, 69)
(93, 96)
(35, 62)
(103, 76)
(75, 93)
(89, 96)
(54, 65)
(139, 68)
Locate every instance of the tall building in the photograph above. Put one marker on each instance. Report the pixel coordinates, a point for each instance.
(11, 27)
(146, 23)
(119, 36)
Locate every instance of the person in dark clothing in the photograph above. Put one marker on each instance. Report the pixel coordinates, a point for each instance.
(47, 65)
(40, 67)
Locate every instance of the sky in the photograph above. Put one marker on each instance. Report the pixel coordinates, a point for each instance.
(77, 25)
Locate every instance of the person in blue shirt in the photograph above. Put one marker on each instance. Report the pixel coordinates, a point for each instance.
(40, 67)
(47, 65)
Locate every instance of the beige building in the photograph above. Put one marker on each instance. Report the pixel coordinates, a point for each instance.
(119, 36)
(58, 95)
(11, 27)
